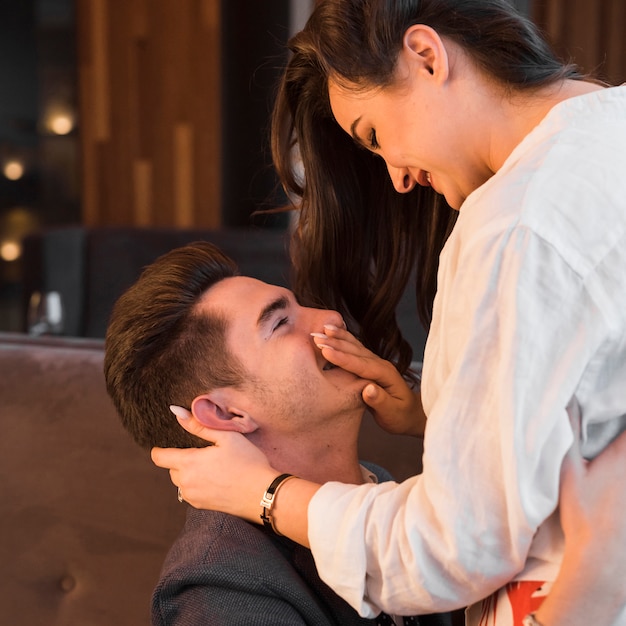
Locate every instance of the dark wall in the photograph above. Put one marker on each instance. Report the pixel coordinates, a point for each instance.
(253, 51)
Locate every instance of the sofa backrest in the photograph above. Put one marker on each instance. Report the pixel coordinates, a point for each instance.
(86, 519)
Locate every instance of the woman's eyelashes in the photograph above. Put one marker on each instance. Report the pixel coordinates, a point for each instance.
(374, 145)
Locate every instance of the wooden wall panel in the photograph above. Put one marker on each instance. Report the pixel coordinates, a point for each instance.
(592, 33)
(150, 90)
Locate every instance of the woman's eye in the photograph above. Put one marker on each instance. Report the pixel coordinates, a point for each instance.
(373, 141)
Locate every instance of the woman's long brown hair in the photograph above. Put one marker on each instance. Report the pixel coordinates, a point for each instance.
(357, 240)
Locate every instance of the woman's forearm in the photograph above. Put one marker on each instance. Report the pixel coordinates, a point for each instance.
(290, 510)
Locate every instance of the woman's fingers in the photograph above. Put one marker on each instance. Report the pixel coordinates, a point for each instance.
(401, 415)
(342, 349)
(193, 426)
(167, 458)
(343, 342)
(174, 458)
(180, 412)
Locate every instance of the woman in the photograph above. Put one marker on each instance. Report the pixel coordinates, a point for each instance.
(461, 99)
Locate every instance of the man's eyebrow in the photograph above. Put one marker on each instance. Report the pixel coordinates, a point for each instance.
(276, 305)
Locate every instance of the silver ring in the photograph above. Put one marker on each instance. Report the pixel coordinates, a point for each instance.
(180, 495)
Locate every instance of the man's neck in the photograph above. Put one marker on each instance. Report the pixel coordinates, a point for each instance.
(319, 455)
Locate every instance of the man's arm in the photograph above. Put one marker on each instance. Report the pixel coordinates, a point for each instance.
(591, 587)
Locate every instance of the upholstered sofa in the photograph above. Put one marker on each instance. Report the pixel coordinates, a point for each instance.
(85, 517)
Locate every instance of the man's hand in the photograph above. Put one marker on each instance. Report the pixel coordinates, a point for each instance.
(590, 588)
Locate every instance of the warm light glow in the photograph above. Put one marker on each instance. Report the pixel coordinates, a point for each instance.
(13, 170)
(10, 250)
(61, 124)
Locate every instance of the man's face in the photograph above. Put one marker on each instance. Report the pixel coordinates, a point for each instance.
(292, 387)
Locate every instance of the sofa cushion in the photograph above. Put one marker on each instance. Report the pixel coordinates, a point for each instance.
(86, 519)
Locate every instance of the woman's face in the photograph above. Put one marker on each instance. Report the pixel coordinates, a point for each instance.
(419, 129)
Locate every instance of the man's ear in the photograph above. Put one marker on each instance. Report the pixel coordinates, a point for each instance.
(424, 48)
(215, 411)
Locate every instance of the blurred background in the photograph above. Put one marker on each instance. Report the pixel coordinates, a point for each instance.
(153, 114)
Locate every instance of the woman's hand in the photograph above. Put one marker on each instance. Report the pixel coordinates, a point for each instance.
(229, 476)
(395, 406)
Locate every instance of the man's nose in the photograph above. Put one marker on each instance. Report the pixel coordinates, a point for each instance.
(401, 178)
(322, 317)
(334, 318)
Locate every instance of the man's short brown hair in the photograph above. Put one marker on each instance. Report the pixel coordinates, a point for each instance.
(161, 350)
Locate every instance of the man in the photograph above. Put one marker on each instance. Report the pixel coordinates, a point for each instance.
(239, 354)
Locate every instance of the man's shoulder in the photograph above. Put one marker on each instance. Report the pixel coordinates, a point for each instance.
(212, 538)
(223, 568)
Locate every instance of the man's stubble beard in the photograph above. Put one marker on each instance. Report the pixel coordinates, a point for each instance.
(295, 398)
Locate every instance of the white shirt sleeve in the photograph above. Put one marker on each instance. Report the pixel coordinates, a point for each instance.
(496, 383)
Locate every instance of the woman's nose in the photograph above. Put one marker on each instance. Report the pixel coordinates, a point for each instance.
(401, 178)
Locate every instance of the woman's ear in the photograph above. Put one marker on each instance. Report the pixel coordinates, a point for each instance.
(424, 49)
(214, 410)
